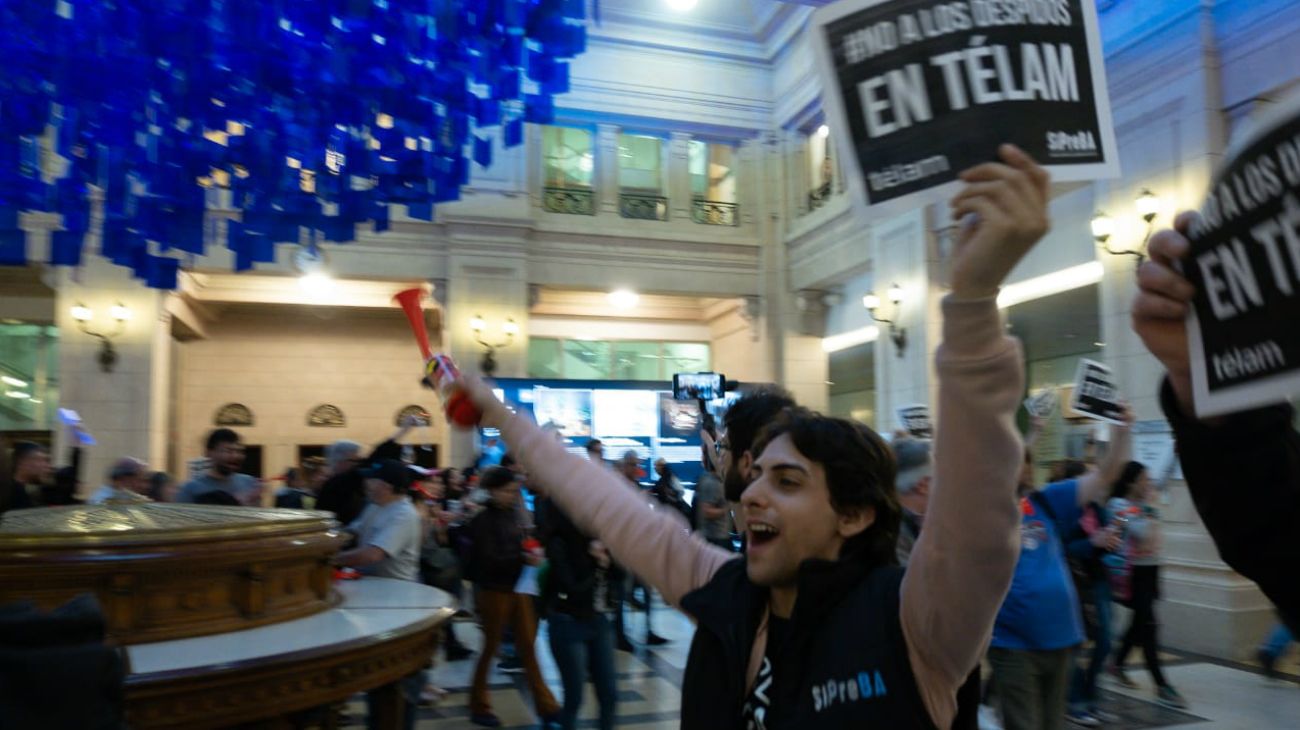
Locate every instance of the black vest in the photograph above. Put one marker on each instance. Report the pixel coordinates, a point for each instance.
(844, 662)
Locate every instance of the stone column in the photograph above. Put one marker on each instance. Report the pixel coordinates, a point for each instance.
(606, 178)
(901, 251)
(749, 177)
(679, 177)
(493, 287)
(796, 175)
(126, 409)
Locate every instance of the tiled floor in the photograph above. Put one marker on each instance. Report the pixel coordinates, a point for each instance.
(1221, 696)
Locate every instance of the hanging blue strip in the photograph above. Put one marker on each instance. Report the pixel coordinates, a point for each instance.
(13, 248)
(514, 133)
(379, 214)
(483, 151)
(161, 272)
(65, 247)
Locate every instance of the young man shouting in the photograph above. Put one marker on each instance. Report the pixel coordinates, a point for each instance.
(815, 626)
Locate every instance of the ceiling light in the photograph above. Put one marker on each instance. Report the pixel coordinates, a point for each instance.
(895, 294)
(871, 301)
(316, 285)
(18, 394)
(844, 341)
(81, 312)
(510, 327)
(477, 324)
(681, 6)
(13, 381)
(119, 312)
(1056, 282)
(824, 131)
(623, 298)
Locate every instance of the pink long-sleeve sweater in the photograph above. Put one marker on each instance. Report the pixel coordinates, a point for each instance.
(961, 566)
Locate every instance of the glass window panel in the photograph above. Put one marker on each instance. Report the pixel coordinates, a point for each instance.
(568, 157)
(544, 358)
(685, 357)
(712, 171)
(29, 366)
(639, 161)
(637, 361)
(586, 360)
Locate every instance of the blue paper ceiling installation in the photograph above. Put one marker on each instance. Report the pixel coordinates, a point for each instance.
(281, 115)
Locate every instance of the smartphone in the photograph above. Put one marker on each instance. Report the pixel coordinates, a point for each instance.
(698, 386)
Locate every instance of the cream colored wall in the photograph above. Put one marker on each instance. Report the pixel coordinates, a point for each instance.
(736, 353)
(285, 362)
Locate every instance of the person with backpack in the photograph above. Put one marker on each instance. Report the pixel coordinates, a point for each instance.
(1137, 569)
(1086, 547)
(576, 601)
(1040, 623)
(498, 554)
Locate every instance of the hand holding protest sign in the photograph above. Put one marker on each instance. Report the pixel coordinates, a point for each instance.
(1095, 394)
(918, 90)
(1244, 266)
(916, 421)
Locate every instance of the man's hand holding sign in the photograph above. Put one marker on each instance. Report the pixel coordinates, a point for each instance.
(1219, 306)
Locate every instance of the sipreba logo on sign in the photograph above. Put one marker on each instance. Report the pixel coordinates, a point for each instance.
(1071, 143)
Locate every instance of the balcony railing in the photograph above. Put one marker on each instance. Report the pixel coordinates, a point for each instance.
(715, 213)
(643, 207)
(819, 197)
(571, 201)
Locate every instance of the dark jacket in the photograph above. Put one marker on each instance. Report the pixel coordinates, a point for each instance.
(55, 669)
(496, 552)
(345, 494)
(571, 581)
(13, 495)
(1244, 475)
(845, 630)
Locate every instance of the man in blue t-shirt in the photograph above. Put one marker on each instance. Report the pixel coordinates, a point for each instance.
(1040, 622)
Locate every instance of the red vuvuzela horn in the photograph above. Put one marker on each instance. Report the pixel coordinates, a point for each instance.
(409, 299)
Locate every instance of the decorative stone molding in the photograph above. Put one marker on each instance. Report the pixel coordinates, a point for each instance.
(233, 414)
(812, 306)
(326, 415)
(750, 310)
(420, 412)
(439, 293)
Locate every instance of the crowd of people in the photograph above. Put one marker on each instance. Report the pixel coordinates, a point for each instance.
(876, 578)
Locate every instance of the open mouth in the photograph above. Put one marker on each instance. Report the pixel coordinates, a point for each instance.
(761, 533)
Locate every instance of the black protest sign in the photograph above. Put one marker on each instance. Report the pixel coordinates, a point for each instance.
(918, 90)
(916, 421)
(1095, 394)
(1244, 334)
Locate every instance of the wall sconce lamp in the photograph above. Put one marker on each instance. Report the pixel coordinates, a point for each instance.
(896, 333)
(478, 325)
(1103, 226)
(107, 353)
